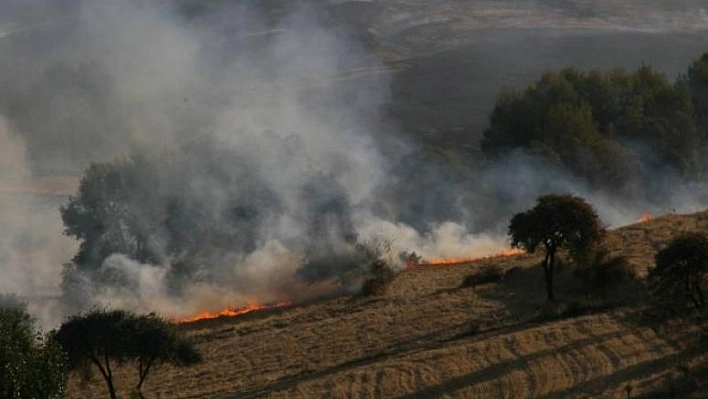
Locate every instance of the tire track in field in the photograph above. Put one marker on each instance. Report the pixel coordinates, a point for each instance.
(541, 361)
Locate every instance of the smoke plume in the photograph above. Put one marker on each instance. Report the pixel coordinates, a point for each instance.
(263, 126)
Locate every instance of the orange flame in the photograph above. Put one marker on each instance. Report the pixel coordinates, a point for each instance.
(231, 312)
(459, 261)
(646, 216)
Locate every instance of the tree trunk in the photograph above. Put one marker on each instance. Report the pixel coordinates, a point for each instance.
(689, 291)
(548, 265)
(109, 378)
(111, 388)
(699, 292)
(106, 373)
(143, 371)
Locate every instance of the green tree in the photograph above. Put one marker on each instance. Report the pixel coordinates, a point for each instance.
(146, 207)
(557, 221)
(698, 82)
(104, 339)
(600, 125)
(681, 268)
(111, 214)
(32, 366)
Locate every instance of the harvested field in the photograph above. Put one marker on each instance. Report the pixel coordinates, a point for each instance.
(432, 337)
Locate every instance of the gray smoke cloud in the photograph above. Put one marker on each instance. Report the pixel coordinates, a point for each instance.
(245, 105)
(276, 111)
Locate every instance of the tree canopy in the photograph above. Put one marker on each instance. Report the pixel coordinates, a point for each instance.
(697, 79)
(607, 127)
(32, 366)
(103, 339)
(681, 268)
(557, 221)
(192, 211)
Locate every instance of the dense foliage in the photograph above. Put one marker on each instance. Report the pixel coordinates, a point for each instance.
(557, 221)
(680, 269)
(151, 209)
(697, 79)
(105, 338)
(613, 128)
(32, 366)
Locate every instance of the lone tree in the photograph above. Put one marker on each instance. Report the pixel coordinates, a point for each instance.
(555, 222)
(107, 338)
(681, 267)
(31, 366)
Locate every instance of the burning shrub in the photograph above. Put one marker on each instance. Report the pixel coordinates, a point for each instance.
(410, 259)
(486, 275)
(382, 275)
(369, 263)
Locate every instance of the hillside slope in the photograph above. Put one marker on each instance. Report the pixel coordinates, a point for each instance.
(429, 337)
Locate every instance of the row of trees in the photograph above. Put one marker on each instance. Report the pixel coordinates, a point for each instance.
(568, 222)
(613, 129)
(36, 366)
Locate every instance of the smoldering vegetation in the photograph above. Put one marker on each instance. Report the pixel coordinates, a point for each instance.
(241, 150)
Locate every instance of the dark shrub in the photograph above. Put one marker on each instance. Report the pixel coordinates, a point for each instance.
(602, 271)
(680, 270)
(612, 272)
(382, 274)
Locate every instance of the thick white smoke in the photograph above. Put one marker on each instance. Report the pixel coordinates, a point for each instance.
(32, 240)
(274, 98)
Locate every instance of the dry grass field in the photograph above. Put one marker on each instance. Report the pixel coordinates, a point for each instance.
(431, 337)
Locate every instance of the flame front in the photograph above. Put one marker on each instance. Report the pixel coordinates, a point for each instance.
(231, 312)
(646, 216)
(459, 261)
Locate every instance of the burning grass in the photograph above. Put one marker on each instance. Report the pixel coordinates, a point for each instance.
(252, 306)
(462, 261)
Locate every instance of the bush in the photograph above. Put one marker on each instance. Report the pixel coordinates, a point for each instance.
(680, 270)
(612, 272)
(410, 259)
(486, 275)
(382, 275)
(603, 272)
